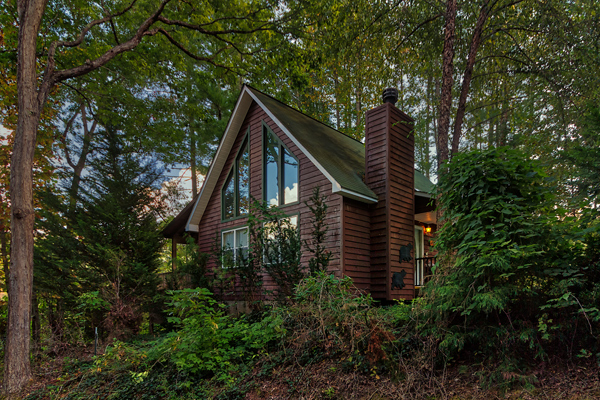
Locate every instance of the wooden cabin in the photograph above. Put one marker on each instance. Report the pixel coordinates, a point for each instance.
(380, 215)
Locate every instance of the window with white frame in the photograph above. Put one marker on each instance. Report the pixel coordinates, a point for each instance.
(234, 244)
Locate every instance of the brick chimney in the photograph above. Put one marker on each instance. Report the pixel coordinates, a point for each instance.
(389, 152)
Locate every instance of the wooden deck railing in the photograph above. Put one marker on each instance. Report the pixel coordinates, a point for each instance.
(423, 270)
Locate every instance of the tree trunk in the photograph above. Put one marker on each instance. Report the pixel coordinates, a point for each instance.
(468, 75)
(85, 150)
(17, 369)
(447, 82)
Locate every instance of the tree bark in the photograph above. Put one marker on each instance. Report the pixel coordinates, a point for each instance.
(468, 75)
(17, 370)
(447, 82)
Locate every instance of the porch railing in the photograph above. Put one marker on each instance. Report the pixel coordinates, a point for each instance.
(423, 270)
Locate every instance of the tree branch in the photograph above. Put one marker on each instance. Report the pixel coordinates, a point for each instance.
(63, 138)
(181, 47)
(200, 29)
(407, 37)
(52, 77)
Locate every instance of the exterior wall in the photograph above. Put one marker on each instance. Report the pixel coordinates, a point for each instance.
(211, 225)
(376, 177)
(356, 243)
(390, 174)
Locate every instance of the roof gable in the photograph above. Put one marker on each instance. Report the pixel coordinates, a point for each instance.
(338, 157)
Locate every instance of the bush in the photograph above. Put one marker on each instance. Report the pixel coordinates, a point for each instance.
(331, 318)
(508, 254)
(210, 343)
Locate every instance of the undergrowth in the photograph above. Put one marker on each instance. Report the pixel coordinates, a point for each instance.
(210, 354)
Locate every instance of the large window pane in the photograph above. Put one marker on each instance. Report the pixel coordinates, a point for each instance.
(271, 170)
(242, 244)
(229, 198)
(228, 249)
(290, 175)
(244, 181)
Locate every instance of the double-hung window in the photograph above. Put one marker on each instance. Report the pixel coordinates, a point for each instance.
(280, 171)
(235, 195)
(234, 243)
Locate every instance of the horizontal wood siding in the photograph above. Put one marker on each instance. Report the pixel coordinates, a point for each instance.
(376, 177)
(402, 195)
(211, 225)
(356, 243)
(390, 174)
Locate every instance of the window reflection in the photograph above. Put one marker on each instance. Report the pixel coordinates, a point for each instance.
(229, 198)
(280, 172)
(244, 181)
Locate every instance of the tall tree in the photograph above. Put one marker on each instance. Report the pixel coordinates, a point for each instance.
(129, 23)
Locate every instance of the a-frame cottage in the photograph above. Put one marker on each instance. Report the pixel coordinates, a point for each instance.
(379, 217)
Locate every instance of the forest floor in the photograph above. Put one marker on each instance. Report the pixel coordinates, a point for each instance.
(56, 378)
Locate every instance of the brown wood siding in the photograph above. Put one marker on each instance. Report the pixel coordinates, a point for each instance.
(356, 243)
(402, 196)
(376, 177)
(390, 174)
(211, 225)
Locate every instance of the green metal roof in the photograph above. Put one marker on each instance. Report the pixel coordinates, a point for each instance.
(422, 183)
(340, 155)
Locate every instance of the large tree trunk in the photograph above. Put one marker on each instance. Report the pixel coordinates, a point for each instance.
(17, 370)
(468, 75)
(447, 82)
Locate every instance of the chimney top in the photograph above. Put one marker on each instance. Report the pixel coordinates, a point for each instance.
(390, 95)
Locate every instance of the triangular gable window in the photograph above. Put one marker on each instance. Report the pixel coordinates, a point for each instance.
(235, 195)
(280, 171)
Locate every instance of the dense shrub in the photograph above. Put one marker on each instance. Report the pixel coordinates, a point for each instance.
(210, 343)
(330, 318)
(512, 275)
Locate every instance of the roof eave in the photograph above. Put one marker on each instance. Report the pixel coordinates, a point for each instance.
(235, 122)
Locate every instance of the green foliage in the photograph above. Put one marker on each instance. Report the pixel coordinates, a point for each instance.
(191, 266)
(508, 254)
(101, 256)
(276, 245)
(584, 155)
(209, 342)
(320, 255)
